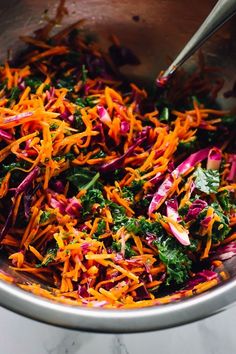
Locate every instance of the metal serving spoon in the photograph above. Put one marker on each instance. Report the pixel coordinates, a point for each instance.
(223, 10)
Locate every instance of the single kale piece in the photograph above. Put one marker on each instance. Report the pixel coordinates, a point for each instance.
(207, 181)
(91, 197)
(176, 260)
(82, 178)
(129, 252)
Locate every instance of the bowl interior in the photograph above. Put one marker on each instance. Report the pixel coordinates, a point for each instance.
(155, 30)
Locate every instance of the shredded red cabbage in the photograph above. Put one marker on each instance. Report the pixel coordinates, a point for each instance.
(214, 159)
(5, 135)
(195, 208)
(162, 192)
(180, 233)
(118, 163)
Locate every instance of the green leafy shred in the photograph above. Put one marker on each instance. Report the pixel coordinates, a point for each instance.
(119, 215)
(85, 102)
(144, 227)
(99, 154)
(100, 229)
(14, 95)
(82, 178)
(33, 83)
(79, 123)
(176, 260)
(165, 115)
(84, 73)
(226, 201)
(66, 82)
(129, 252)
(50, 256)
(130, 191)
(45, 216)
(91, 197)
(220, 228)
(14, 165)
(68, 156)
(207, 181)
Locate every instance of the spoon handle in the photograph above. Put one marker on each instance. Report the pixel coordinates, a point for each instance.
(223, 10)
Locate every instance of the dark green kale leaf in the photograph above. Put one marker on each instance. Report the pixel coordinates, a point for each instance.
(129, 252)
(130, 191)
(127, 194)
(144, 227)
(187, 147)
(78, 122)
(100, 229)
(82, 178)
(66, 82)
(14, 95)
(68, 156)
(85, 102)
(50, 256)
(225, 199)
(172, 254)
(119, 215)
(13, 165)
(220, 228)
(45, 216)
(207, 181)
(91, 197)
(99, 154)
(16, 174)
(33, 83)
(84, 73)
(165, 115)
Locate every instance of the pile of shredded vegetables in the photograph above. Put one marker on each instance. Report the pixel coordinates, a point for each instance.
(107, 199)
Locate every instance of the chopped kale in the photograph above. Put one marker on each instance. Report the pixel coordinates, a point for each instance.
(45, 216)
(84, 73)
(119, 215)
(14, 95)
(82, 178)
(85, 102)
(129, 252)
(207, 181)
(165, 115)
(172, 254)
(33, 83)
(69, 156)
(100, 229)
(188, 146)
(50, 256)
(53, 126)
(78, 122)
(130, 191)
(225, 199)
(13, 165)
(66, 82)
(91, 197)
(99, 154)
(220, 228)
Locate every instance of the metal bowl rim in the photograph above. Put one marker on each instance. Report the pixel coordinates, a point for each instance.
(117, 321)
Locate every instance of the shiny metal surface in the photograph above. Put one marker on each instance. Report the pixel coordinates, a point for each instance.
(222, 12)
(164, 26)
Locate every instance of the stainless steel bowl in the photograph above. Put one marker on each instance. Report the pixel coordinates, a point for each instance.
(156, 35)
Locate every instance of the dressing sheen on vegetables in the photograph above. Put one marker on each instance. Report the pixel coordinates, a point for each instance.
(111, 196)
